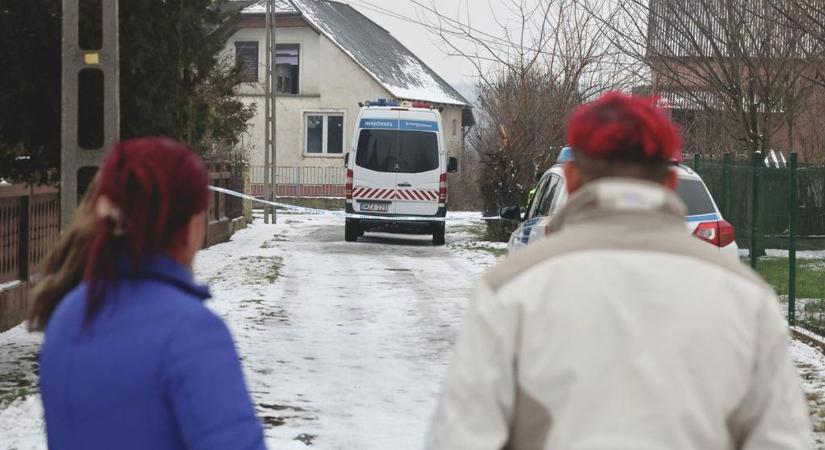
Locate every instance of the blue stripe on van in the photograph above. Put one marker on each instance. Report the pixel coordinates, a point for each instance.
(380, 124)
(702, 218)
(392, 124)
(419, 125)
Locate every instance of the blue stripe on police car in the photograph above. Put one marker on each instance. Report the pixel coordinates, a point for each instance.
(702, 218)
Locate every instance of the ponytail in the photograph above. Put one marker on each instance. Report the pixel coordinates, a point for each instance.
(149, 190)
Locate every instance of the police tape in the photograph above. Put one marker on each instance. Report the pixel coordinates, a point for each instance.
(324, 212)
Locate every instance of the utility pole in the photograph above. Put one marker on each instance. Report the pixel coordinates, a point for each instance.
(270, 161)
(90, 95)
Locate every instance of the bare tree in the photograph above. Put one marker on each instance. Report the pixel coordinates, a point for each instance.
(732, 70)
(546, 57)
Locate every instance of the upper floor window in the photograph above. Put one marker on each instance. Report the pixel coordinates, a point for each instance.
(287, 58)
(246, 58)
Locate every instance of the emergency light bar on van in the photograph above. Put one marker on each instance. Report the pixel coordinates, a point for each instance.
(393, 103)
(379, 102)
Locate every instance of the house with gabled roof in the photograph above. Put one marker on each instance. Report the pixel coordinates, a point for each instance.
(329, 57)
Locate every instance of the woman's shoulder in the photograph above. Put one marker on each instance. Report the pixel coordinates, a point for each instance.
(168, 303)
(71, 310)
(163, 305)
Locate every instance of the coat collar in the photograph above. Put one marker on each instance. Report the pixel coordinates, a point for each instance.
(613, 197)
(165, 269)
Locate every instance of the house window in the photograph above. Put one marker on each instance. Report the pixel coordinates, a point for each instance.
(286, 67)
(246, 58)
(324, 134)
(455, 127)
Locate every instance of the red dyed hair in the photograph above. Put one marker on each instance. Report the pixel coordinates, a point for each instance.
(157, 185)
(622, 127)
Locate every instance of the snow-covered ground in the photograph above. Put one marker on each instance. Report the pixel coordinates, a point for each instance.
(344, 345)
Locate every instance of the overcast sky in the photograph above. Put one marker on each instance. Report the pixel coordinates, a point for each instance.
(426, 45)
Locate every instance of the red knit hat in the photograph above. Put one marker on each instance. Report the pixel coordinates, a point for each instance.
(621, 127)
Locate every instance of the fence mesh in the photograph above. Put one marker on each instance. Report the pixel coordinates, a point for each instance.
(800, 284)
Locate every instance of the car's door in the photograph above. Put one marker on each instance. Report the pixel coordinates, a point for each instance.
(533, 217)
(554, 197)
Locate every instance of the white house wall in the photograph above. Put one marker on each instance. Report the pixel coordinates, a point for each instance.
(329, 81)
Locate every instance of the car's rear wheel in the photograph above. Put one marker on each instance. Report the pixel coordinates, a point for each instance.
(439, 230)
(351, 231)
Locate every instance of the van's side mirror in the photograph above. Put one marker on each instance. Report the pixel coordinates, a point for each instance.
(452, 165)
(510, 213)
(346, 160)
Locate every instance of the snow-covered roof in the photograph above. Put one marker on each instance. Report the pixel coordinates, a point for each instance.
(388, 61)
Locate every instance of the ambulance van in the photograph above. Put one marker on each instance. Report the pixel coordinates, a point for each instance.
(397, 171)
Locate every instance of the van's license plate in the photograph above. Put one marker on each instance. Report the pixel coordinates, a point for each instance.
(375, 206)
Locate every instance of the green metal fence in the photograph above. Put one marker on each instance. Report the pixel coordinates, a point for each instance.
(779, 216)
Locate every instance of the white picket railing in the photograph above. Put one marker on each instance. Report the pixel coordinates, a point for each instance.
(307, 181)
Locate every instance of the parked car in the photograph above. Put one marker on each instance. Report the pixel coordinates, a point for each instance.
(703, 218)
(397, 171)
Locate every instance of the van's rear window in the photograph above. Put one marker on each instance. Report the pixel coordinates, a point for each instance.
(376, 150)
(695, 196)
(397, 151)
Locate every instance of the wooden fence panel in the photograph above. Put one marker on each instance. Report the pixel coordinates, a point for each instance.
(9, 239)
(29, 229)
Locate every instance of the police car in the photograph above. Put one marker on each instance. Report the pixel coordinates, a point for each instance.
(397, 171)
(703, 217)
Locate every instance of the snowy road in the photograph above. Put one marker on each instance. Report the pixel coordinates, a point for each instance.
(348, 347)
(344, 345)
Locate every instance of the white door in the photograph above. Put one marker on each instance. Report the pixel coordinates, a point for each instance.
(419, 164)
(374, 171)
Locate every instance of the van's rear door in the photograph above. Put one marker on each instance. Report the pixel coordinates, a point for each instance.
(419, 164)
(375, 170)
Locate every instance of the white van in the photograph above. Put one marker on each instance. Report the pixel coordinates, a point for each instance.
(397, 171)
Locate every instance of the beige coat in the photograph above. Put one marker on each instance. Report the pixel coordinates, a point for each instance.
(621, 331)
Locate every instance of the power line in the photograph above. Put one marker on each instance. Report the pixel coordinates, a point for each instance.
(381, 10)
(495, 41)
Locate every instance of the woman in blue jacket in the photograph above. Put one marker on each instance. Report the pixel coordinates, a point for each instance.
(132, 358)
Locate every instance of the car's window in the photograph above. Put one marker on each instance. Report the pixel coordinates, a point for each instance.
(549, 197)
(695, 196)
(558, 193)
(417, 151)
(376, 150)
(541, 188)
(397, 151)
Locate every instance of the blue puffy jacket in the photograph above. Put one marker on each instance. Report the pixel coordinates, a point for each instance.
(155, 370)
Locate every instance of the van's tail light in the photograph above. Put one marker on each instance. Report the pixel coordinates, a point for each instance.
(442, 189)
(719, 233)
(348, 186)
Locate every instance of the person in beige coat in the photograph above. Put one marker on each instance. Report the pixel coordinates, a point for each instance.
(620, 330)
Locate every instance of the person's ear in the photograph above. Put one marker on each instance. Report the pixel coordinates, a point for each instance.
(672, 180)
(190, 240)
(572, 176)
(196, 231)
